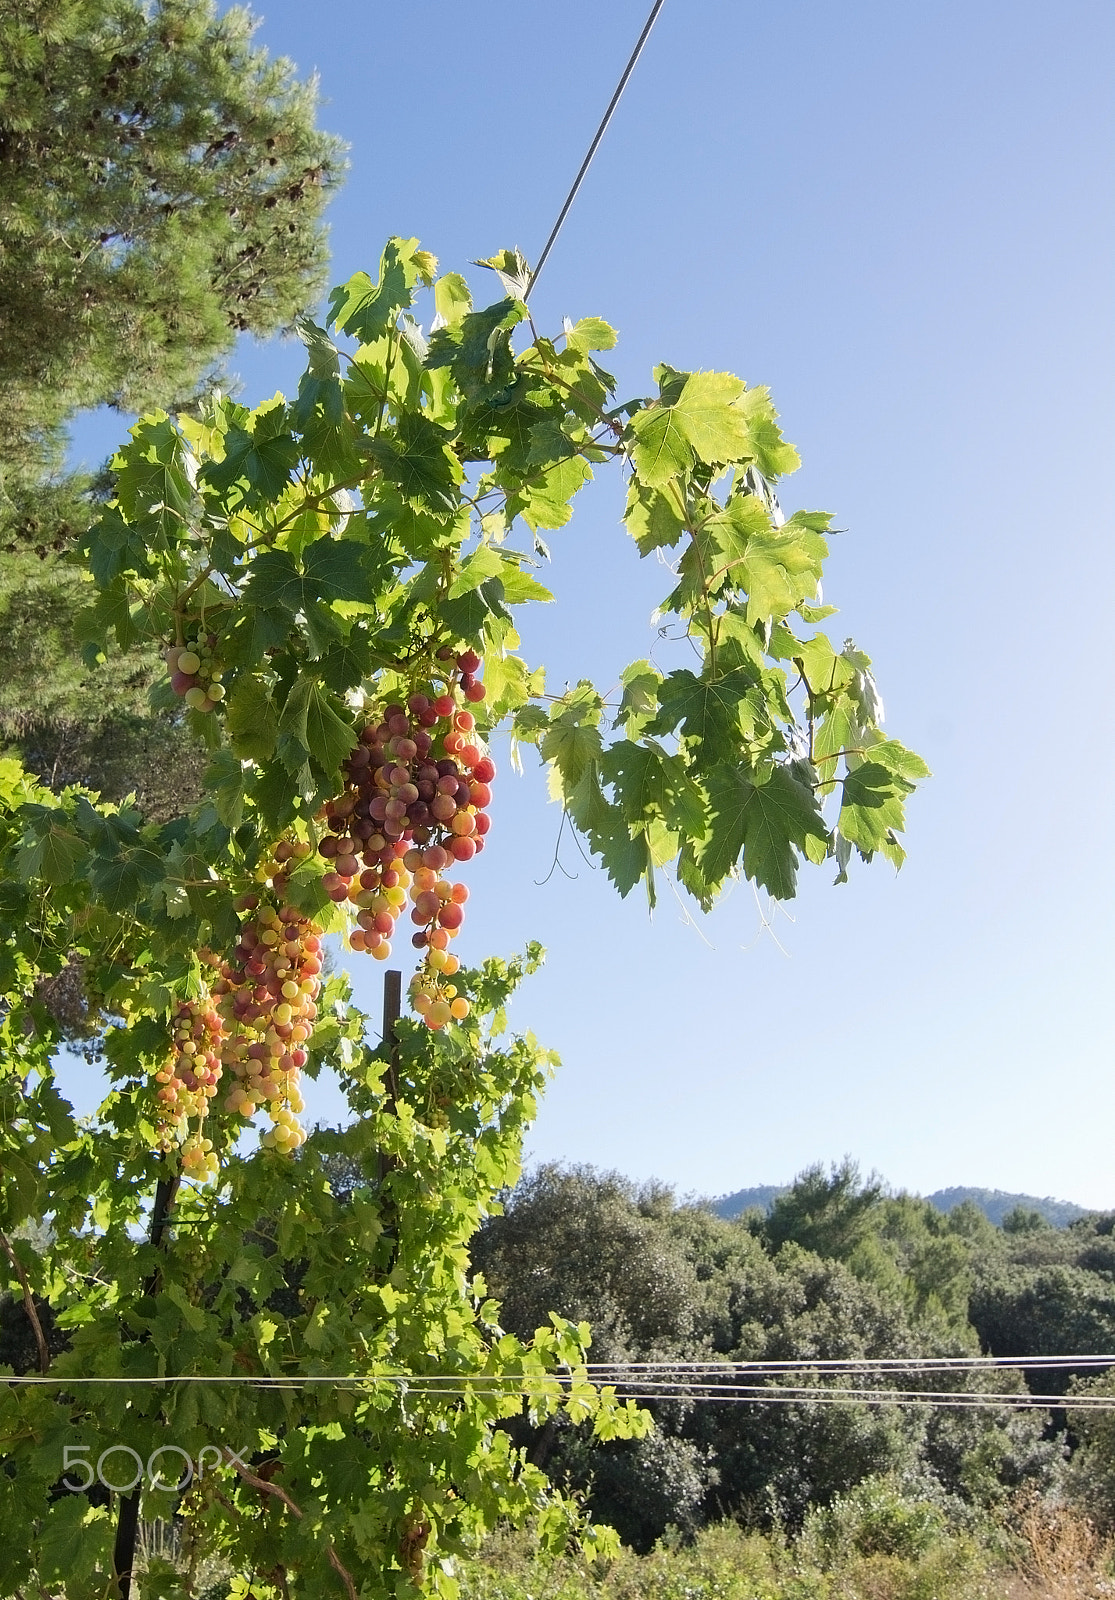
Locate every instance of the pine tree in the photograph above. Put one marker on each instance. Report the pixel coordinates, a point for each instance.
(161, 189)
(162, 184)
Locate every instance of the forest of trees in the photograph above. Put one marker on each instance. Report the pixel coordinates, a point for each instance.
(838, 1268)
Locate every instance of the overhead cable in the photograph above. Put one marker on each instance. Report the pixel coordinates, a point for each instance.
(595, 145)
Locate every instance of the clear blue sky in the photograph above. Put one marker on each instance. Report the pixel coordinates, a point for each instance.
(900, 218)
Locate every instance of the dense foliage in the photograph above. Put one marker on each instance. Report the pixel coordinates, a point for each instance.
(837, 1269)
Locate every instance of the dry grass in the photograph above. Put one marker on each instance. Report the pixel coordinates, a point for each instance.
(1062, 1556)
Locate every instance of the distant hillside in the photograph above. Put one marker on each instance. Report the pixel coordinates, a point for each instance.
(994, 1203)
(762, 1198)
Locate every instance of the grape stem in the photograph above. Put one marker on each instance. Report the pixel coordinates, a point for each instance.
(28, 1303)
(280, 1494)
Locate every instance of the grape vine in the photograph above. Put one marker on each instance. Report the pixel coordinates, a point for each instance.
(338, 579)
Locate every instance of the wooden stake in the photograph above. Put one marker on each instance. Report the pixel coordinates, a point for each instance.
(392, 1010)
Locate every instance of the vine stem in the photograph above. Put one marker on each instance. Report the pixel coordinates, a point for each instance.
(296, 1510)
(28, 1303)
(705, 580)
(127, 1523)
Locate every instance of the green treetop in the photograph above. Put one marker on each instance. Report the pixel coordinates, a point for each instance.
(161, 189)
(162, 185)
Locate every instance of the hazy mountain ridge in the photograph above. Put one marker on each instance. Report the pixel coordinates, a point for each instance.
(994, 1203)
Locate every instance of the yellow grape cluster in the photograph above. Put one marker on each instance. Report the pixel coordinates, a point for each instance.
(251, 1024)
(189, 1081)
(267, 997)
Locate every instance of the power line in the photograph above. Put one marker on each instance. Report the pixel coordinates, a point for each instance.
(610, 1371)
(690, 1382)
(856, 1363)
(595, 145)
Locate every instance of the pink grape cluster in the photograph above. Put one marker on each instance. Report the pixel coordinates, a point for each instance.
(267, 997)
(194, 672)
(415, 803)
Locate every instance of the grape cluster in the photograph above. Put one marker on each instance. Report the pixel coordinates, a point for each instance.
(194, 673)
(414, 804)
(252, 1024)
(189, 1081)
(267, 999)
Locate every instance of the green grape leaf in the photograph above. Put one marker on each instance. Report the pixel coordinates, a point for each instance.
(477, 349)
(706, 712)
(227, 783)
(75, 1537)
(332, 569)
(417, 459)
(367, 310)
(653, 517)
(723, 538)
(703, 424)
(548, 442)
(773, 456)
(347, 662)
(590, 333)
(250, 719)
(587, 803)
(649, 784)
(873, 801)
(452, 300)
(115, 545)
(639, 703)
(482, 564)
(780, 567)
(258, 460)
(52, 850)
(905, 765)
(276, 795)
(625, 853)
(529, 724)
(519, 587)
(257, 630)
(509, 683)
(467, 618)
(511, 268)
(343, 569)
(763, 825)
(312, 725)
(125, 867)
(152, 480)
(572, 739)
(319, 413)
(543, 500)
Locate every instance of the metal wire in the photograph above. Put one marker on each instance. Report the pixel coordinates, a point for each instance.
(689, 1382)
(595, 145)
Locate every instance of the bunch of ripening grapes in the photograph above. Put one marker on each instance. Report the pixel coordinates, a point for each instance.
(188, 1081)
(267, 996)
(194, 672)
(414, 804)
(253, 1024)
